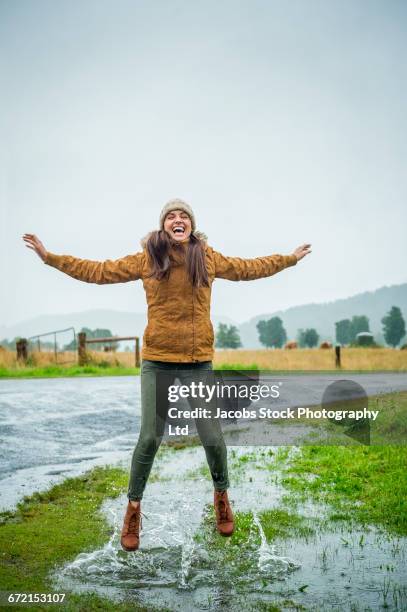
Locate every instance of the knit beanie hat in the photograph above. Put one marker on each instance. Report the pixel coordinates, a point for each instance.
(177, 204)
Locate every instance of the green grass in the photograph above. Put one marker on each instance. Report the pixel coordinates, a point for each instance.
(367, 484)
(237, 550)
(105, 369)
(279, 523)
(56, 371)
(243, 533)
(390, 426)
(236, 366)
(276, 523)
(391, 423)
(50, 528)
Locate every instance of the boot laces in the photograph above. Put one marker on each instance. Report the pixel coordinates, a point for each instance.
(136, 522)
(222, 509)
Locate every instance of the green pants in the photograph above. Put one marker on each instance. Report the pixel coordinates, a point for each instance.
(150, 437)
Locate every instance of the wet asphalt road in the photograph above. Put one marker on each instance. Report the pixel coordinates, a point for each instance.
(51, 429)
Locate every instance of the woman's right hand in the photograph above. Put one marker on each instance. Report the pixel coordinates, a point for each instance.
(34, 243)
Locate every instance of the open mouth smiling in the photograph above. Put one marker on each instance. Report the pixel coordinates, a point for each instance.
(178, 230)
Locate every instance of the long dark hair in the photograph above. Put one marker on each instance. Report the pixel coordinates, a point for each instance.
(159, 244)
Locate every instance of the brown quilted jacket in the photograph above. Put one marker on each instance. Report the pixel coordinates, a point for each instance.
(179, 328)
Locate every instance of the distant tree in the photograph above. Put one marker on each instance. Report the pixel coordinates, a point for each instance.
(272, 332)
(344, 331)
(311, 337)
(262, 331)
(227, 336)
(300, 338)
(359, 323)
(221, 336)
(234, 337)
(394, 327)
(308, 337)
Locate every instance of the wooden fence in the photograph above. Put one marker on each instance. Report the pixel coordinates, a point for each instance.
(23, 343)
(83, 341)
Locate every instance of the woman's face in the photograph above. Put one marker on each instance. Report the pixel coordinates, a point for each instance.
(177, 224)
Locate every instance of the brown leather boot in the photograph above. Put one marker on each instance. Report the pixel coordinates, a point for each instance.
(224, 514)
(132, 524)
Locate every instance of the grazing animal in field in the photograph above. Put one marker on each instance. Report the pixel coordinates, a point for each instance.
(325, 345)
(291, 345)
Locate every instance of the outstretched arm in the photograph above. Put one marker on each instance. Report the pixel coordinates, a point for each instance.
(237, 268)
(100, 272)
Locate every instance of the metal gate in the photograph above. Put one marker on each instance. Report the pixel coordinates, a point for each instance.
(36, 344)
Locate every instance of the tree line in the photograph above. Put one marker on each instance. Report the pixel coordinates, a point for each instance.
(394, 328)
(271, 332)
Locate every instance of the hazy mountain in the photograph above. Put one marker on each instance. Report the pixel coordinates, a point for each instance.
(119, 323)
(373, 304)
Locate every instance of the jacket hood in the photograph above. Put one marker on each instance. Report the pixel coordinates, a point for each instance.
(200, 235)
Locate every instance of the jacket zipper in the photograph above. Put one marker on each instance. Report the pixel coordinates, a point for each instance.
(193, 324)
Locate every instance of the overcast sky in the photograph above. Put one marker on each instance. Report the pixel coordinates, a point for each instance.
(279, 122)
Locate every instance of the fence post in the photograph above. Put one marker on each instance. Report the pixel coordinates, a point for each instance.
(21, 346)
(137, 352)
(82, 358)
(338, 356)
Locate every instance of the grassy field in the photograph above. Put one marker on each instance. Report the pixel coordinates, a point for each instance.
(67, 359)
(282, 360)
(366, 359)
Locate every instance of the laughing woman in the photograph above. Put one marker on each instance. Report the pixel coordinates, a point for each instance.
(177, 268)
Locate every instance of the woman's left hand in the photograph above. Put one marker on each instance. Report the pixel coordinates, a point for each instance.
(302, 251)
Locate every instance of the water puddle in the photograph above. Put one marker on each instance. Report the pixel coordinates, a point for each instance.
(176, 568)
(73, 424)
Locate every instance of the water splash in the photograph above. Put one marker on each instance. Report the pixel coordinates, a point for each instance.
(188, 549)
(269, 562)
